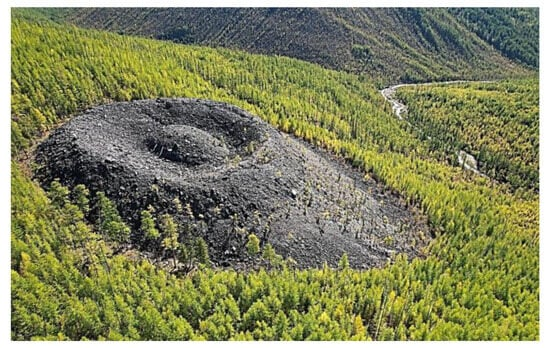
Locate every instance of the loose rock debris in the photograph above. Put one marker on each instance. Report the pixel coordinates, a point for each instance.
(239, 175)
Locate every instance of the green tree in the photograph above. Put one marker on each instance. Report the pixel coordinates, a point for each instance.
(80, 198)
(58, 194)
(170, 235)
(148, 226)
(201, 251)
(344, 262)
(109, 222)
(269, 253)
(253, 244)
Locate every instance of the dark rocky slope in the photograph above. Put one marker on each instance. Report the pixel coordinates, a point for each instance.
(239, 175)
(389, 44)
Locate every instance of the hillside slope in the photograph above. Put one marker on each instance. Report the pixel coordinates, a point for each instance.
(512, 31)
(388, 44)
(480, 280)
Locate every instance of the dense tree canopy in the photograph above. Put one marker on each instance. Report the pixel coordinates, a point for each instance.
(513, 31)
(497, 122)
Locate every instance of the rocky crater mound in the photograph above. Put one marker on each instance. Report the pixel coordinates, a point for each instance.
(239, 176)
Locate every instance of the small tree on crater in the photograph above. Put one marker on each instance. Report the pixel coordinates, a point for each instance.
(253, 244)
(201, 251)
(344, 262)
(58, 194)
(80, 198)
(109, 221)
(170, 241)
(150, 232)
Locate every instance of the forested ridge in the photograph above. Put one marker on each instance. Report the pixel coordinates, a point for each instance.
(69, 280)
(390, 44)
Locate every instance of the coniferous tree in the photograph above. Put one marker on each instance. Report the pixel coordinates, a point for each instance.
(253, 244)
(344, 262)
(201, 251)
(148, 226)
(109, 222)
(170, 236)
(80, 197)
(58, 194)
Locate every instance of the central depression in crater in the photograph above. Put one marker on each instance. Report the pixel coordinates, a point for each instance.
(239, 175)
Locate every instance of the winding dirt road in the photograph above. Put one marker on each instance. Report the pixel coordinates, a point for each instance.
(466, 160)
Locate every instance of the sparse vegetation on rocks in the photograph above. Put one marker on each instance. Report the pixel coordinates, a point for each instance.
(167, 156)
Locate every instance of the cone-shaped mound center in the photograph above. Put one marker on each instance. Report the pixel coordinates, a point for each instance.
(188, 145)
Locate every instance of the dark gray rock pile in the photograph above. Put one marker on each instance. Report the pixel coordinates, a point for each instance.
(239, 176)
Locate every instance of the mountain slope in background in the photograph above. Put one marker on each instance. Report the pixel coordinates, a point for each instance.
(512, 31)
(387, 44)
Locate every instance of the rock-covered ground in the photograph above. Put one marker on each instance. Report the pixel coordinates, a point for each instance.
(239, 176)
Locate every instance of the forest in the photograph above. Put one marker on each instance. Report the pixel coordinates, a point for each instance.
(507, 29)
(496, 122)
(73, 280)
